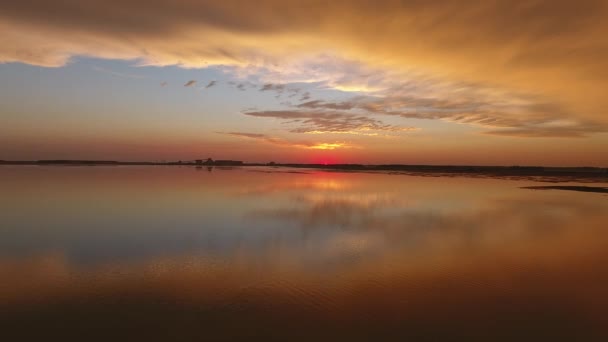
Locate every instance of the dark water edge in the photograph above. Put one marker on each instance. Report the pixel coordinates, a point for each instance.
(432, 310)
(602, 190)
(535, 296)
(133, 320)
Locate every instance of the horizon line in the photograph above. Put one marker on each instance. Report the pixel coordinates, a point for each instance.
(273, 163)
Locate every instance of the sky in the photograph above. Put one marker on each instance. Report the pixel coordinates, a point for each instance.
(487, 82)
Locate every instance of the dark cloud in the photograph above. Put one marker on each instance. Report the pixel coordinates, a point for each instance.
(327, 121)
(242, 86)
(190, 83)
(273, 87)
(305, 97)
(211, 84)
(317, 104)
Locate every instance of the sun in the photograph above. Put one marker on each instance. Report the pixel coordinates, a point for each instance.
(325, 158)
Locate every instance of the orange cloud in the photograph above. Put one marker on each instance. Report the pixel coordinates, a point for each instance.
(327, 146)
(316, 121)
(519, 117)
(546, 53)
(286, 143)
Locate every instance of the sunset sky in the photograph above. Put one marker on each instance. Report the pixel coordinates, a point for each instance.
(489, 82)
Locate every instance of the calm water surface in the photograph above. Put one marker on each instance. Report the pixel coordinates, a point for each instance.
(179, 253)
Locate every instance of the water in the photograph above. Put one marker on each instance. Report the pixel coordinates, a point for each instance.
(179, 253)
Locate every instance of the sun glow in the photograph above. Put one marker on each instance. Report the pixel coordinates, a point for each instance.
(328, 146)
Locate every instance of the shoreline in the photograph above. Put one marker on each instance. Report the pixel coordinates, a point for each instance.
(585, 173)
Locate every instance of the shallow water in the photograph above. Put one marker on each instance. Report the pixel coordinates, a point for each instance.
(183, 253)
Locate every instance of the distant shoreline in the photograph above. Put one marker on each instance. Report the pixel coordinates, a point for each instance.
(585, 172)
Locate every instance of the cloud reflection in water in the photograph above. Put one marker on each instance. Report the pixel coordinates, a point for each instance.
(300, 256)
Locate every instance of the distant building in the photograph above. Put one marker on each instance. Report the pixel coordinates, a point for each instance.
(211, 162)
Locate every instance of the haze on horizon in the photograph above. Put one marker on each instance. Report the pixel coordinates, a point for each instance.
(416, 82)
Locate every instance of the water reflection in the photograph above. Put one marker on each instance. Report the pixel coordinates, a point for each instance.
(164, 253)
